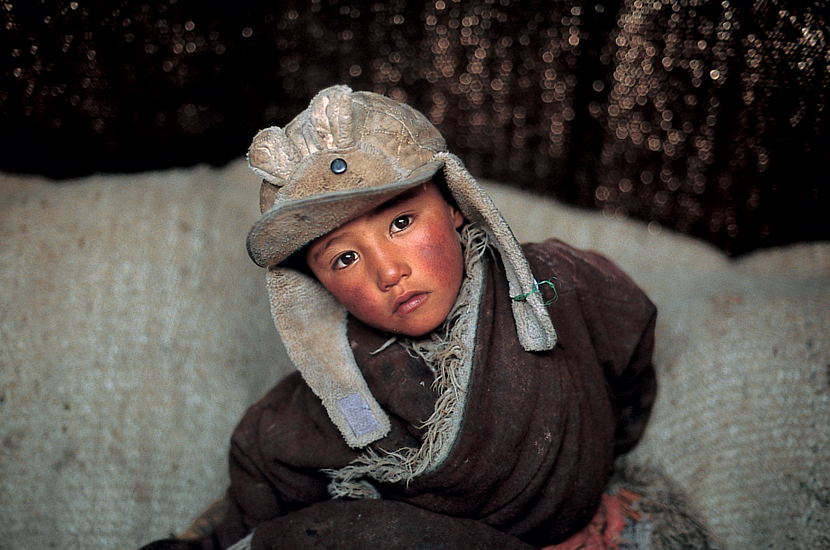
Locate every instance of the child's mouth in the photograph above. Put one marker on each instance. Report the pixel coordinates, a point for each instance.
(410, 302)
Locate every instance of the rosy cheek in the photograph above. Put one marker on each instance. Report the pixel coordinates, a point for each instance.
(442, 259)
(357, 299)
(434, 262)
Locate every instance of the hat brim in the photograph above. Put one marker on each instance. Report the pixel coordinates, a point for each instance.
(288, 226)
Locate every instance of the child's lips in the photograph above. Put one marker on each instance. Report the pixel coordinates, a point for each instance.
(409, 302)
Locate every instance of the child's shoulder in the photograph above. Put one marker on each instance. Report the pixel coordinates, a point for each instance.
(576, 270)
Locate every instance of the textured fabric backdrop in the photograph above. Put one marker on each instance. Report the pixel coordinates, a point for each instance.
(134, 331)
(706, 117)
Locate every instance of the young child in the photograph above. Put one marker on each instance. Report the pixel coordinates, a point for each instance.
(434, 406)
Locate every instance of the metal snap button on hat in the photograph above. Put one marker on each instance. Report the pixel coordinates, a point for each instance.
(338, 166)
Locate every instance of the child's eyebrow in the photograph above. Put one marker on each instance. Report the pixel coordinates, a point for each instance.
(327, 244)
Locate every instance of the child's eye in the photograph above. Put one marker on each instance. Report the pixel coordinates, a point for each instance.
(345, 260)
(401, 223)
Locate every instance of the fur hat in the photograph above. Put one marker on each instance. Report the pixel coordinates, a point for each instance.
(347, 153)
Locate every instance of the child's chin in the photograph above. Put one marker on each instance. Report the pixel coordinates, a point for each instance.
(406, 331)
(418, 332)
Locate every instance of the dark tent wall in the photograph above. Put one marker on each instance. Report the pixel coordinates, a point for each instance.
(705, 117)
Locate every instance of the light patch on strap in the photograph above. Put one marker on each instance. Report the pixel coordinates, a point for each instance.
(358, 414)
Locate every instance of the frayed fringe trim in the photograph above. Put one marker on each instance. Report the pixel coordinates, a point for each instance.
(243, 544)
(448, 353)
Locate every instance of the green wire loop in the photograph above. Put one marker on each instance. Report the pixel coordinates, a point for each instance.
(526, 295)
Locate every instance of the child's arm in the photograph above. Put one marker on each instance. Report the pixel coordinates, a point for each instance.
(366, 524)
(636, 390)
(620, 319)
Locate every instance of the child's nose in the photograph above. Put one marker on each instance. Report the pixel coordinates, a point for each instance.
(391, 268)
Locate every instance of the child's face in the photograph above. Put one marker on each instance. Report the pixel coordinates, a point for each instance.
(397, 268)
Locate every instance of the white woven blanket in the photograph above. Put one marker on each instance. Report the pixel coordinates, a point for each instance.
(134, 331)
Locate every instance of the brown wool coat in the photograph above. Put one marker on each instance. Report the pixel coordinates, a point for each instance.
(535, 450)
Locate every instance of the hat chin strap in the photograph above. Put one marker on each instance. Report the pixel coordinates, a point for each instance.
(305, 315)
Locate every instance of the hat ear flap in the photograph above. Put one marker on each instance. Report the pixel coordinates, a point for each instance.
(273, 156)
(304, 312)
(533, 324)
